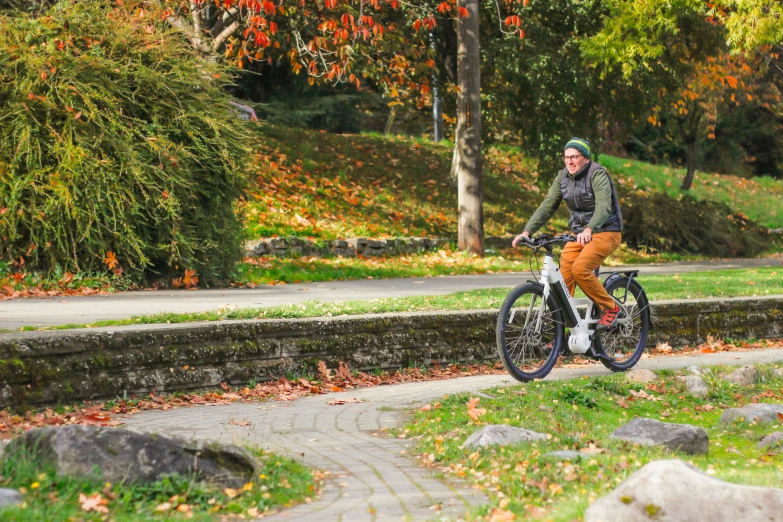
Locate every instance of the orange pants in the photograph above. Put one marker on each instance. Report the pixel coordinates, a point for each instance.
(578, 262)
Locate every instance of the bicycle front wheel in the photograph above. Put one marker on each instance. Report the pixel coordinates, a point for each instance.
(529, 335)
(624, 344)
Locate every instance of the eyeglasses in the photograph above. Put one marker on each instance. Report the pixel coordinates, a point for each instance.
(572, 158)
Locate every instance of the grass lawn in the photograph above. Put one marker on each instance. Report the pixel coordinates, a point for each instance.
(579, 415)
(47, 496)
(724, 283)
(261, 271)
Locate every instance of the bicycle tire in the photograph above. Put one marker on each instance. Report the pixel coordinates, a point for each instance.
(631, 337)
(554, 330)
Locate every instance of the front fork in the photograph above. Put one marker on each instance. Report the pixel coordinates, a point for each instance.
(542, 306)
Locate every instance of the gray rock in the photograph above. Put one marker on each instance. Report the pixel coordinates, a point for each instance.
(696, 385)
(545, 408)
(122, 455)
(772, 440)
(573, 456)
(677, 437)
(753, 413)
(673, 490)
(694, 370)
(745, 376)
(501, 434)
(278, 243)
(641, 375)
(10, 497)
(778, 373)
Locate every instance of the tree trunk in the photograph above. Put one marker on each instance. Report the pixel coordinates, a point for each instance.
(466, 164)
(437, 111)
(691, 160)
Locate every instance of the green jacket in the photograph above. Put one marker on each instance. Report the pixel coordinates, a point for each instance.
(602, 190)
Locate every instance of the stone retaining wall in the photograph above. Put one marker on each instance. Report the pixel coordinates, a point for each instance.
(67, 365)
(296, 246)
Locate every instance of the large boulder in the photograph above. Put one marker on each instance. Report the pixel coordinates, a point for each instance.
(696, 385)
(10, 497)
(124, 456)
(760, 413)
(673, 490)
(677, 437)
(745, 376)
(500, 435)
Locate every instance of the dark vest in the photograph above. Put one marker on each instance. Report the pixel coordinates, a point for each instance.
(577, 191)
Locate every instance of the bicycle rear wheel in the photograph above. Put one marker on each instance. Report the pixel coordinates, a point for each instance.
(529, 349)
(624, 344)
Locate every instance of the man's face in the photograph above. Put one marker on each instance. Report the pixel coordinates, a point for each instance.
(574, 161)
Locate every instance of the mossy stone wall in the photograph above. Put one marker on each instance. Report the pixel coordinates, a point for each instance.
(66, 365)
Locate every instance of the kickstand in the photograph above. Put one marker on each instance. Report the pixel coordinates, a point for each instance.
(600, 356)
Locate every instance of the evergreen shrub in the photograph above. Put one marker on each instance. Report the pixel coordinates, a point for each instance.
(115, 137)
(660, 222)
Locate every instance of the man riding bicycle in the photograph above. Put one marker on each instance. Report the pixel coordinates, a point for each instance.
(595, 218)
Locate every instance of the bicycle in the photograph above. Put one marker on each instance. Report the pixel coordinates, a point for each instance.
(532, 320)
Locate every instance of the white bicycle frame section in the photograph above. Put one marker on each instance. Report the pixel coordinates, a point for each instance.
(582, 333)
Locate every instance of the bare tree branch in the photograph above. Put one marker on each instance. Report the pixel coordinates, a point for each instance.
(224, 35)
(180, 24)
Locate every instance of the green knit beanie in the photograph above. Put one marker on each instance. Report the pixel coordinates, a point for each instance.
(581, 145)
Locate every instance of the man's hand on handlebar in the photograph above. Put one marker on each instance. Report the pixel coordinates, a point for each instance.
(517, 239)
(585, 236)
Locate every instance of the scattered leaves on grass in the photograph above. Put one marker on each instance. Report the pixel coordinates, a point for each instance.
(644, 395)
(473, 412)
(93, 503)
(501, 515)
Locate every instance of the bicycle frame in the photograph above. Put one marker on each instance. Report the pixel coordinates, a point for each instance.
(582, 329)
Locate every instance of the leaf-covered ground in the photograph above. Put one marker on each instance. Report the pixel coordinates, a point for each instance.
(327, 186)
(579, 415)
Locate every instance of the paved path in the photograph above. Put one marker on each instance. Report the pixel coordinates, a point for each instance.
(86, 309)
(373, 478)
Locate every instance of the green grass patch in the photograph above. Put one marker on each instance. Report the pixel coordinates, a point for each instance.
(48, 496)
(724, 283)
(580, 415)
(442, 262)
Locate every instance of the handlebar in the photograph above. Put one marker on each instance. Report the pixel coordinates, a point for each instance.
(545, 241)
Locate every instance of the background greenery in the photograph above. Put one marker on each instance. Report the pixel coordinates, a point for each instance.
(115, 136)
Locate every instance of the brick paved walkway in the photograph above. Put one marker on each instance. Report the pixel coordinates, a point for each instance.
(373, 478)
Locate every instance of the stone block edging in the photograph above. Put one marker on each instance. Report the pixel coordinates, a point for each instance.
(67, 365)
(368, 247)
